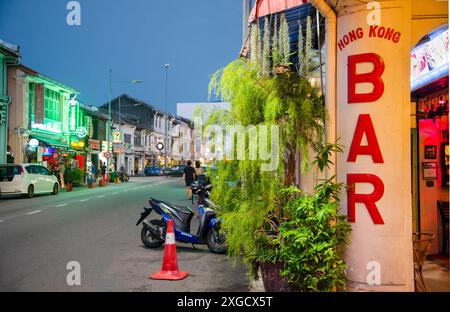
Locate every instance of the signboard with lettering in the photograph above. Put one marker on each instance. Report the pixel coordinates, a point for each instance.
(117, 137)
(94, 144)
(73, 111)
(373, 124)
(105, 146)
(39, 103)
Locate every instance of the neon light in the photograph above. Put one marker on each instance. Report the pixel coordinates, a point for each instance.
(81, 132)
(49, 126)
(72, 114)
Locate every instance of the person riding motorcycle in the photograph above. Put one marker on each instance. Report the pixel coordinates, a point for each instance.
(123, 176)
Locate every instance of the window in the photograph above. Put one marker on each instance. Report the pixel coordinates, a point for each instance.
(137, 139)
(52, 109)
(127, 138)
(43, 170)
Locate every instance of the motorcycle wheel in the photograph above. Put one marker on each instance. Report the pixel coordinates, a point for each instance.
(148, 240)
(218, 246)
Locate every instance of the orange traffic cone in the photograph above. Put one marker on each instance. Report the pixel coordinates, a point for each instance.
(169, 270)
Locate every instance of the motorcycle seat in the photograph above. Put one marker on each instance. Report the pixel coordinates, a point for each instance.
(182, 209)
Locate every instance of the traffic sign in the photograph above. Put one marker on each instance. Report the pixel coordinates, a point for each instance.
(107, 154)
(160, 145)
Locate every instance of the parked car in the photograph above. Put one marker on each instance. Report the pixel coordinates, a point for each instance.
(176, 171)
(27, 179)
(152, 171)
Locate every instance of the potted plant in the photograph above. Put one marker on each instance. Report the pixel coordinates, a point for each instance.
(74, 177)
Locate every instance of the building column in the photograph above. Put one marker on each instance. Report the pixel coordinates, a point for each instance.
(373, 112)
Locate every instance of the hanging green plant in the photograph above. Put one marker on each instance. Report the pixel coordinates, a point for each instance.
(261, 209)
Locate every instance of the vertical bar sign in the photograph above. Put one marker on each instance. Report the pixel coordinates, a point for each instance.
(39, 103)
(73, 113)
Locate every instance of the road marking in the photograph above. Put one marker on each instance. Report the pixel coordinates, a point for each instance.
(62, 205)
(115, 193)
(1, 221)
(33, 212)
(101, 196)
(83, 200)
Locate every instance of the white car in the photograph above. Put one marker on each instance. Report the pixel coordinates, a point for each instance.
(27, 179)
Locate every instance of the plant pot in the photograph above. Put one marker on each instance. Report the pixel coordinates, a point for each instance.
(281, 69)
(272, 279)
(117, 180)
(102, 183)
(91, 185)
(69, 187)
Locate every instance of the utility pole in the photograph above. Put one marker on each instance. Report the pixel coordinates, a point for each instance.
(166, 124)
(109, 123)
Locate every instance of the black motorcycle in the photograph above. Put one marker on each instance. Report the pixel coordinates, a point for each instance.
(123, 176)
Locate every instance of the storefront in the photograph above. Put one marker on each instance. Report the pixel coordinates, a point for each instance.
(430, 135)
(41, 147)
(368, 98)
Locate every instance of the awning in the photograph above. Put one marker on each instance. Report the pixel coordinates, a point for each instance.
(267, 7)
(49, 141)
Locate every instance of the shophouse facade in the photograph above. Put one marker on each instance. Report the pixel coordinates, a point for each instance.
(44, 115)
(9, 55)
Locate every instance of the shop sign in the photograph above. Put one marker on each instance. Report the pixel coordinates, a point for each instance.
(94, 144)
(48, 126)
(33, 143)
(117, 137)
(81, 132)
(73, 110)
(77, 145)
(118, 148)
(429, 61)
(39, 103)
(105, 146)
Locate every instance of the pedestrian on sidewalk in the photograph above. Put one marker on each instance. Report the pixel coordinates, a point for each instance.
(189, 177)
(103, 172)
(198, 170)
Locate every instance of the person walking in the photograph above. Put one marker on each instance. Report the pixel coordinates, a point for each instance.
(104, 171)
(198, 170)
(189, 177)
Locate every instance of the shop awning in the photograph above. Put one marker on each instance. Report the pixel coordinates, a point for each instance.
(267, 7)
(49, 141)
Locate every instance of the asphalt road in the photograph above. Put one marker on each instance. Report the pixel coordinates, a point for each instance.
(96, 227)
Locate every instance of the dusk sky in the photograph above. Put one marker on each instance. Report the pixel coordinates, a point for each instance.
(135, 37)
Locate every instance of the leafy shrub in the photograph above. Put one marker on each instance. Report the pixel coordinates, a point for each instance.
(74, 176)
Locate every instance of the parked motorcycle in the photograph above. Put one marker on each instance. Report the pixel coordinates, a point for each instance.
(123, 176)
(209, 232)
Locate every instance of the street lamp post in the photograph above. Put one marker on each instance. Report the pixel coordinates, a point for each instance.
(109, 118)
(109, 125)
(166, 143)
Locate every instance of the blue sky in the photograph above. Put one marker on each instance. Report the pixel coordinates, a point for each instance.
(135, 37)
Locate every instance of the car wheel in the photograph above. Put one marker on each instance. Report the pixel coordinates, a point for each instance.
(30, 191)
(55, 189)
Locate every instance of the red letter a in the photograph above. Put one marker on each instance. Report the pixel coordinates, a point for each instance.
(364, 125)
(373, 77)
(367, 199)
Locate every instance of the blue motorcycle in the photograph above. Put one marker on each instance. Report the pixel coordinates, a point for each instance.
(153, 231)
